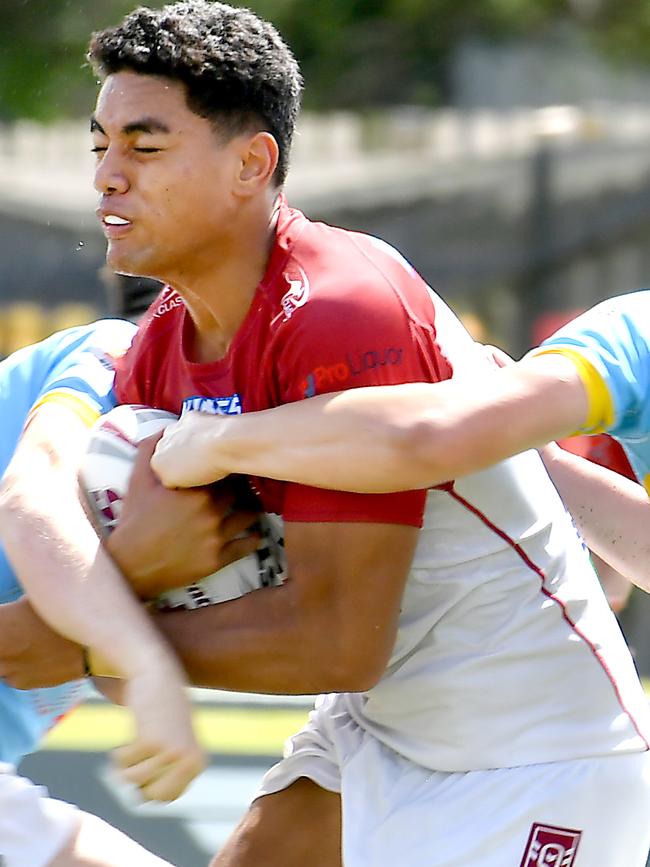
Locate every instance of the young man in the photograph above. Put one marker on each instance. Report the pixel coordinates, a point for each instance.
(440, 648)
(49, 395)
(593, 375)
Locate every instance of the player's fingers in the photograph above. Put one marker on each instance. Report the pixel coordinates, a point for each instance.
(132, 754)
(172, 782)
(142, 466)
(147, 771)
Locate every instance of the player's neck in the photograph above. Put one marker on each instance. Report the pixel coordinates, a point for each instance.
(218, 293)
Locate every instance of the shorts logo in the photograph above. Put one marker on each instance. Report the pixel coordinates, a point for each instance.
(549, 846)
(230, 405)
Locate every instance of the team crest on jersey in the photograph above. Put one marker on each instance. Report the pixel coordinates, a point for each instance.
(230, 405)
(549, 846)
(297, 296)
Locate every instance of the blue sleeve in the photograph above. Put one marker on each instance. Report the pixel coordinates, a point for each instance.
(82, 366)
(614, 338)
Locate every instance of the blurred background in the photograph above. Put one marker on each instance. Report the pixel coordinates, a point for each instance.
(502, 145)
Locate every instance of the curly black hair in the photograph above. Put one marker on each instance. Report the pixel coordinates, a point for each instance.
(237, 70)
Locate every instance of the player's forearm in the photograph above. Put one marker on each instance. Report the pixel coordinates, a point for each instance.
(388, 438)
(260, 643)
(70, 581)
(611, 512)
(471, 425)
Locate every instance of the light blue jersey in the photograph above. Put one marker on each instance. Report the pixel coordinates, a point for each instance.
(613, 339)
(74, 367)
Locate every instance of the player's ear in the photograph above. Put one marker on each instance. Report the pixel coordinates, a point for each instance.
(259, 161)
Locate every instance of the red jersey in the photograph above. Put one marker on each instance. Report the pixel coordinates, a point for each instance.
(600, 449)
(335, 310)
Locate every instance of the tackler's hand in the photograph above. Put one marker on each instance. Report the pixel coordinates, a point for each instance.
(188, 454)
(164, 756)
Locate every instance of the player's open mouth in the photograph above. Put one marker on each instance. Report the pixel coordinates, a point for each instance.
(115, 226)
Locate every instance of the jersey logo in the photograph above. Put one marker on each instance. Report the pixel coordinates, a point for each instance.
(230, 405)
(297, 296)
(167, 302)
(328, 377)
(549, 846)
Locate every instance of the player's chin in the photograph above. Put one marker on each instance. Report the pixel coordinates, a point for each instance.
(126, 259)
(118, 259)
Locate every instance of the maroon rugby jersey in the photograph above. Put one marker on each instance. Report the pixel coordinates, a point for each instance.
(335, 310)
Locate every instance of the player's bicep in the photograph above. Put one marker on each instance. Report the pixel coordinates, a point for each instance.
(524, 406)
(348, 580)
(580, 397)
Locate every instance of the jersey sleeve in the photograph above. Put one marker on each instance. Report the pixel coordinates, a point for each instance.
(366, 338)
(81, 375)
(610, 347)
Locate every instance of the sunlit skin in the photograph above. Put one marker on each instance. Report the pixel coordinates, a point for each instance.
(198, 206)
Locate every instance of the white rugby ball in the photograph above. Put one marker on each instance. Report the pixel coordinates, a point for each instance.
(104, 476)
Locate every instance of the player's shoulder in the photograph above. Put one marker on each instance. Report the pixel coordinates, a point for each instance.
(103, 338)
(624, 305)
(354, 256)
(330, 272)
(619, 324)
(110, 336)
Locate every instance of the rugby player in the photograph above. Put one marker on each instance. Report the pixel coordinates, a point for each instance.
(472, 666)
(49, 395)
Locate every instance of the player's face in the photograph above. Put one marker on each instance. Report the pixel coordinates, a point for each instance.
(165, 178)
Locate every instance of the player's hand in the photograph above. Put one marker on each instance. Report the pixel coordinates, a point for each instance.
(31, 653)
(187, 454)
(167, 538)
(165, 756)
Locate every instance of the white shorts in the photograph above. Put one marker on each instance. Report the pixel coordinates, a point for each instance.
(581, 813)
(33, 826)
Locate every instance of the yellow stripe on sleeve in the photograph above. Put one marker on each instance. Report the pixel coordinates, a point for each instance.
(71, 401)
(600, 417)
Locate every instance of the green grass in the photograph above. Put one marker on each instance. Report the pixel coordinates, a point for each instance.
(231, 730)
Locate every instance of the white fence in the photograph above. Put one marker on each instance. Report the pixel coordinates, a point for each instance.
(361, 159)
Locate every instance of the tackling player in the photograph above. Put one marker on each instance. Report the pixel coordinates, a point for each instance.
(593, 375)
(440, 647)
(49, 395)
